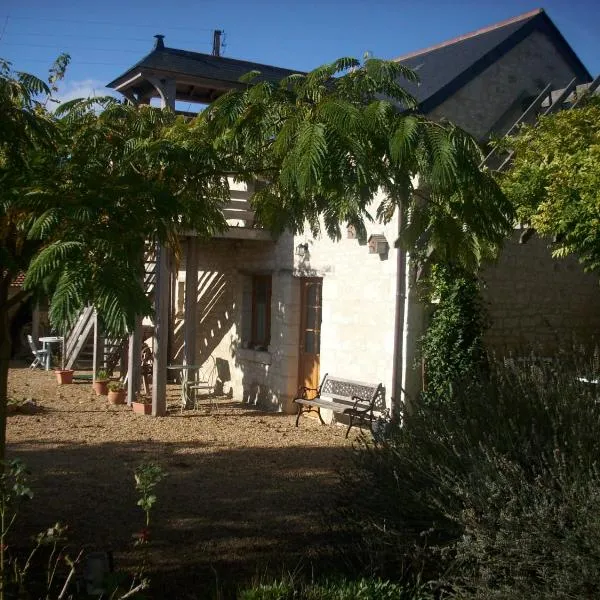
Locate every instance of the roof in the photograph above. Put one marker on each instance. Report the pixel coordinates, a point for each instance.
(223, 72)
(445, 68)
(19, 280)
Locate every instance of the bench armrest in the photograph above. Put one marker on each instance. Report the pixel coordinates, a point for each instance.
(355, 407)
(301, 393)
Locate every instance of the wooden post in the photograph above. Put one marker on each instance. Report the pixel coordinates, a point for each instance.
(35, 322)
(134, 362)
(95, 355)
(191, 301)
(161, 334)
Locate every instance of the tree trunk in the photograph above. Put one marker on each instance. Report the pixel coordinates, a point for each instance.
(5, 347)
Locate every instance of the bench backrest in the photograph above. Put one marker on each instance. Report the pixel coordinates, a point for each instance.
(343, 390)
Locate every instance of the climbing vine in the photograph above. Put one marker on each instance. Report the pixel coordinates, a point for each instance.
(452, 347)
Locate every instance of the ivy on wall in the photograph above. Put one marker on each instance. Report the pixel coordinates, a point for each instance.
(452, 347)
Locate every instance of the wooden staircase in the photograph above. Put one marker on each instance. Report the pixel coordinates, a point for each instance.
(547, 102)
(79, 342)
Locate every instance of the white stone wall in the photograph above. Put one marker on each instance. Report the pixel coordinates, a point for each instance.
(359, 299)
(225, 266)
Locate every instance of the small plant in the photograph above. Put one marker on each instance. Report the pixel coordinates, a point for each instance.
(115, 386)
(101, 375)
(147, 476)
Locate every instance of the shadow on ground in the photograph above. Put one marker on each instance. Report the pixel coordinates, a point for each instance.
(223, 516)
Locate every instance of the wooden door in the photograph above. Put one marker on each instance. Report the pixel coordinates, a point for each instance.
(310, 331)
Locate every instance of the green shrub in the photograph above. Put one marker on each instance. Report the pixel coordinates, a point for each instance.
(494, 493)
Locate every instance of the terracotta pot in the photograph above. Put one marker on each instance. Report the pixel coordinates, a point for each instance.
(100, 387)
(64, 376)
(141, 408)
(117, 396)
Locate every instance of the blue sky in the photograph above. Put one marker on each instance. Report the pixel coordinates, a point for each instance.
(105, 38)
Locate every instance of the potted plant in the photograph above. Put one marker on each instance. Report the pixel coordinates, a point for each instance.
(142, 405)
(64, 376)
(100, 384)
(116, 393)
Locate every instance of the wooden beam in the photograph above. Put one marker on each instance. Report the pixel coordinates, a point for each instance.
(161, 334)
(191, 301)
(96, 354)
(134, 362)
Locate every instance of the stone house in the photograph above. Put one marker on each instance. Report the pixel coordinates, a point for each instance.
(276, 313)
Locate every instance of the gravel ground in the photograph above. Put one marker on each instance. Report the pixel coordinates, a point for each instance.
(243, 496)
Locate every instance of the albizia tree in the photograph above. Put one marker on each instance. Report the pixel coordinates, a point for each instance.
(111, 176)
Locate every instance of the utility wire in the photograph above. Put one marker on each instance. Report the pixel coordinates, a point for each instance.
(74, 49)
(90, 37)
(111, 23)
(4, 28)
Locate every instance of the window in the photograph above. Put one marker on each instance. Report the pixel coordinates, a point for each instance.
(260, 335)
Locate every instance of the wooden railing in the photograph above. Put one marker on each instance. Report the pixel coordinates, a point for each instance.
(238, 212)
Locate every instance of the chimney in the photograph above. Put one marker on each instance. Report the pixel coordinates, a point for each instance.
(216, 51)
(159, 44)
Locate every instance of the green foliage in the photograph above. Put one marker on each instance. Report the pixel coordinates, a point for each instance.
(115, 386)
(147, 476)
(362, 589)
(49, 570)
(121, 176)
(554, 180)
(495, 493)
(101, 375)
(452, 348)
(327, 142)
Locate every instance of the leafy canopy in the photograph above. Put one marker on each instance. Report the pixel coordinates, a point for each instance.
(554, 180)
(328, 141)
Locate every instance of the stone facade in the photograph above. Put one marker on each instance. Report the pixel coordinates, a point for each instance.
(534, 301)
(265, 376)
(359, 303)
(537, 303)
(357, 332)
(495, 99)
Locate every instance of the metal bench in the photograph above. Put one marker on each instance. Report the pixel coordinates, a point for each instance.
(355, 399)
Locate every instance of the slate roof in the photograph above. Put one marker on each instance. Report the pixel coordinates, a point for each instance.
(446, 67)
(200, 65)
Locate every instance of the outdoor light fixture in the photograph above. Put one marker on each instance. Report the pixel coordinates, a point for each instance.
(378, 244)
(302, 249)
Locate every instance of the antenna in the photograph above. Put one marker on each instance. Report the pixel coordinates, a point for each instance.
(216, 50)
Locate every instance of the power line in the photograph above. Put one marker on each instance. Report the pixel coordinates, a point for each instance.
(74, 49)
(89, 37)
(111, 23)
(49, 61)
(4, 28)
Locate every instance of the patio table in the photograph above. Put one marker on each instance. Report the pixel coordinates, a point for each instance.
(46, 342)
(187, 372)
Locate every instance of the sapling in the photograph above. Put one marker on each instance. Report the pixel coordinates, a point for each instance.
(147, 476)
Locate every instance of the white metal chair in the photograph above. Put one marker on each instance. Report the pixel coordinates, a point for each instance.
(41, 356)
(203, 385)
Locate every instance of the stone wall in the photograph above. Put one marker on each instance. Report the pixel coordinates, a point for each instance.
(496, 98)
(538, 303)
(359, 300)
(266, 377)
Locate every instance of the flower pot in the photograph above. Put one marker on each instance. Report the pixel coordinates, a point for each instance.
(100, 387)
(64, 376)
(117, 396)
(141, 408)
